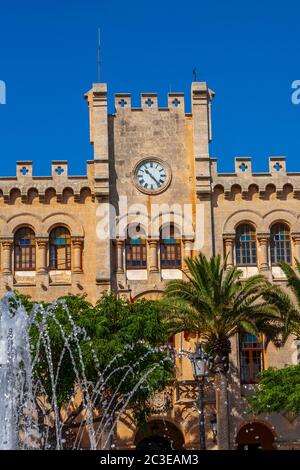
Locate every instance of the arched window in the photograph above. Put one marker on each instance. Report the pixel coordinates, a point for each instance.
(245, 245)
(60, 249)
(136, 253)
(170, 248)
(24, 249)
(280, 244)
(251, 357)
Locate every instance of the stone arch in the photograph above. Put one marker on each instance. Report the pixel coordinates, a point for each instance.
(253, 192)
(218, 195)
(281, 215)
(247, 216)
(67, 195)
(159, 433)
(134, 217)
(50, 194)
(287, 192)
(270, 192)
(23, 220)
(254, 435)
(165, 225)
(14, 195)
(32, 195)
(134, 228)
(177, 218)
(236, 192)
(61, 218)
(153, 294)
(85, 195)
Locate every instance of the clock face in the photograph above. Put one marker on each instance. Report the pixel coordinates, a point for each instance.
(151, 175)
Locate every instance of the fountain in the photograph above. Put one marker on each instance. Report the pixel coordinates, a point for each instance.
(31, 415)
(15, 377)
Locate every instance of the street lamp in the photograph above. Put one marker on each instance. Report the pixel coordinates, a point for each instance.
(199, 362)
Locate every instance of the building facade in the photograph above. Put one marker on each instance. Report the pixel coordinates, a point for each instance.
(151, 197)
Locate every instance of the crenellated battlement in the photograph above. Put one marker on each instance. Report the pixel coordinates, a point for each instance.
(244, 181)
(149, 102)
(26, 186)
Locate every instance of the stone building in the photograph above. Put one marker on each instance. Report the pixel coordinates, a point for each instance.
(151, 197)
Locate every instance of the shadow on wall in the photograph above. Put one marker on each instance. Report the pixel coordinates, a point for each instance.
(255, 436)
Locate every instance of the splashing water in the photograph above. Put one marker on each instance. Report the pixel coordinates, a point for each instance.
(16, 398)
(31, 418)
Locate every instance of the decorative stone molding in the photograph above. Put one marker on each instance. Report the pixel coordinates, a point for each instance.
(119, 243)
(229, 239)
(187, 250)
(263, 239)
(7, 244)
(24, 182)
(296, 241)
(153, 259)
(42, 244)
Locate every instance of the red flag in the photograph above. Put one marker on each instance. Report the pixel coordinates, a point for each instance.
(131, 298)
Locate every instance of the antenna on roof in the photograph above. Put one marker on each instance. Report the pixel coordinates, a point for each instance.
(98, 55)
(195, 74)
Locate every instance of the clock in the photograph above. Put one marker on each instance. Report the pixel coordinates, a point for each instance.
(151, 175)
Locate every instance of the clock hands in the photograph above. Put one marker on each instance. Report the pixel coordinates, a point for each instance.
(153, 177)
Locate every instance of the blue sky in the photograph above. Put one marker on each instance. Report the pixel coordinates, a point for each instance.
(248, 52)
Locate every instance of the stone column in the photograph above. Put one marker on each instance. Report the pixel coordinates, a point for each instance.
(153, 258)
(263, 240)
(187, 251)
(229, 244)
(7, 250)
(77, 244)
(296, 245)
(119, 257)
(42, 245)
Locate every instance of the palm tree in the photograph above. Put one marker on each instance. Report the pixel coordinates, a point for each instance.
(216, 303)
(287, 303)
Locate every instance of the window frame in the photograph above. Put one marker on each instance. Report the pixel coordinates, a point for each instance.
(54, 247)
(19, 249)
(167, 259)
(251, 350)
(286, 244)
(140, 249)
(241, 248)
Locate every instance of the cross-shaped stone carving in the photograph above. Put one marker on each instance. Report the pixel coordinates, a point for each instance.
(176, 102)
(277, 166)
(59, 170)
(149, 102)
(243, 166)
(24, 171)
(122, 103)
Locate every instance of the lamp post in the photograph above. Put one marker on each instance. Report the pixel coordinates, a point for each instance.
(199, 362)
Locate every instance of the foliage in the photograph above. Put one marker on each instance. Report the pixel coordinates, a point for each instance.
(287, 303)
(278, 390)
(216, 302)
(114, 335)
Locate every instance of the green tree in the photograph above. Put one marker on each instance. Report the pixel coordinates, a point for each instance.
(287, 302)
(278, 390)
(216, 303)
(114, 338)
